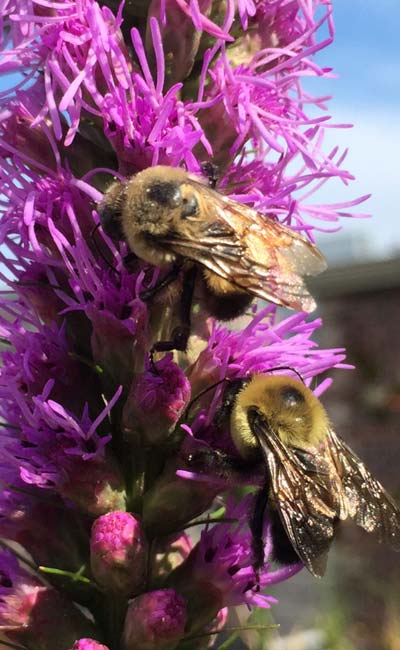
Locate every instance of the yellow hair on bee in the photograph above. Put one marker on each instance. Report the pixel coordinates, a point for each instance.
(290, 409)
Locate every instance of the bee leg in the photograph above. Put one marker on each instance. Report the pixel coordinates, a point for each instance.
(282, 549)
(211, 171)
(167, 279)
(256, 527)
(178, 341)
(217, 463)
(180, 335)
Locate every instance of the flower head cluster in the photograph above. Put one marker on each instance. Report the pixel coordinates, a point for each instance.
(94, 483)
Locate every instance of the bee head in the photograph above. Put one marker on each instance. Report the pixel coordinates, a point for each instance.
(280, 405)
(159, 199)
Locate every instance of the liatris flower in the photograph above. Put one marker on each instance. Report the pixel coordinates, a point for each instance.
(96, 487)
(218, 572)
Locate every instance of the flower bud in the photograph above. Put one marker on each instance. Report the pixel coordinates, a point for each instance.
(156, 401)
(204, 595)
(36, 616)
(88, 644)
(97, 487)
(155, 621)
(65, 547)
(118, 553)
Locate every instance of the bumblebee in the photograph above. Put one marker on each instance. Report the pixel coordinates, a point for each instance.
(174, 220)
(313, 480)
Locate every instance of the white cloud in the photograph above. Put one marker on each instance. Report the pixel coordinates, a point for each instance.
(373, 158)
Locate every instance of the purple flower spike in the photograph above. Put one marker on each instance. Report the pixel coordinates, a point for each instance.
(118, 553)
(91, 432)
(155, 621)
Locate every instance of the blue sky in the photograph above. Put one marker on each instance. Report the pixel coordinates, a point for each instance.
(366, 56)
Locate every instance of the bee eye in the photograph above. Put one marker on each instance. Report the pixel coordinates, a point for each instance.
(291, 397)
(167, 194)
(110, 219)
(190, 206)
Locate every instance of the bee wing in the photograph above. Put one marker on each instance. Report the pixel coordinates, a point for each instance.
(250, 250)
(370, 505)
(307, 493)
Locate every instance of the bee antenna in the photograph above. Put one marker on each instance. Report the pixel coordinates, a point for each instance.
(100, 252)
(202, 392)
(288, 368)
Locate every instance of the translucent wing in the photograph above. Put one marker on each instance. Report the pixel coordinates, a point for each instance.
(307, 493)
(370, 505)
(250, 250)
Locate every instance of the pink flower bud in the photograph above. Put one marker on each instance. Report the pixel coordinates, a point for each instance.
(118, 553)
(155, 621)
(88, 644)
(156, 401)
(35, 616)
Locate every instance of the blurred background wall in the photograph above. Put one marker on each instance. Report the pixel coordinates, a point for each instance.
(356, 606)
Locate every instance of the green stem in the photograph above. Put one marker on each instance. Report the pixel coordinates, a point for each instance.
(75, 576)
(135, 476)
(116, 611)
